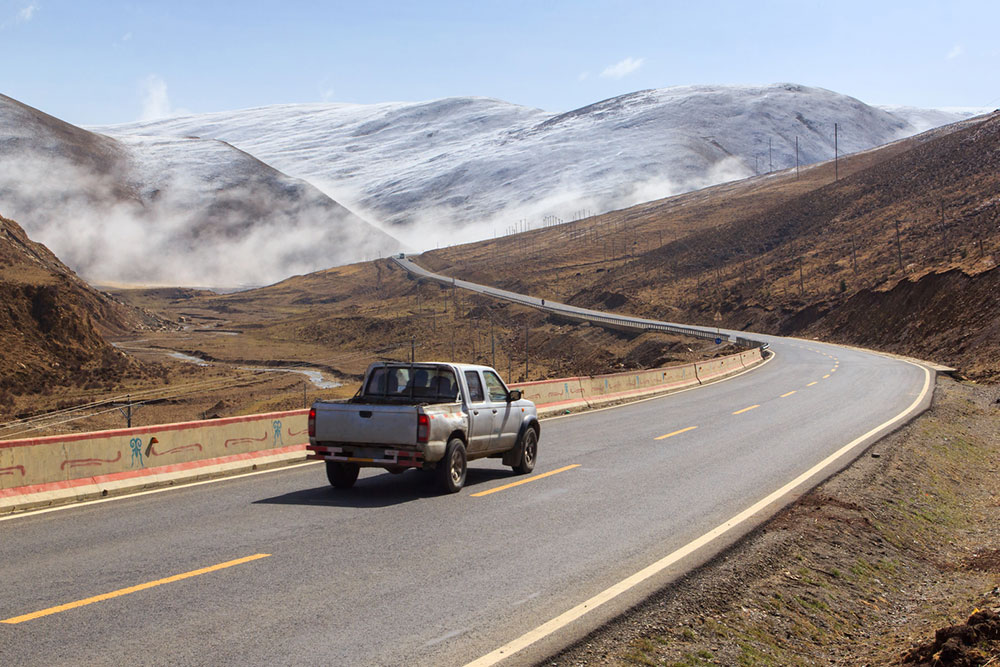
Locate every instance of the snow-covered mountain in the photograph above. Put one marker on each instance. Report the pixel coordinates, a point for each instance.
(168, 210)
(464, 168)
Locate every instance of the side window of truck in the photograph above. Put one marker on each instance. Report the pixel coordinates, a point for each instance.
(498, 392)
(475, 387)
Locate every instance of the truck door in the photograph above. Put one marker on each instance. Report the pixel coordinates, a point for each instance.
(480, 414)
(506, 418)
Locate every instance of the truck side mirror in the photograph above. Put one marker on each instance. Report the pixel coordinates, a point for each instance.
(513, 395)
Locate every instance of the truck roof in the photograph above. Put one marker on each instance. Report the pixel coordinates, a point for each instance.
(451, 364)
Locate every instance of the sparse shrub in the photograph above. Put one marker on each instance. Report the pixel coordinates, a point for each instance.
(843, 285)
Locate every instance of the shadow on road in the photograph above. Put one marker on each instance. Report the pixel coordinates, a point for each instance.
(385, 489)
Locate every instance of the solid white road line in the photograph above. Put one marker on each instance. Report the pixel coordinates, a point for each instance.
(564, 619)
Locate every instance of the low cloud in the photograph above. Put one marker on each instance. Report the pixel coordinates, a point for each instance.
(155, 101)
(956, 52)
(623, 68)
(170, 224)
(442, 226)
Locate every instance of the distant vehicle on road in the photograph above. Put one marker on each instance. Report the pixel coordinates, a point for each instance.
(429, 415)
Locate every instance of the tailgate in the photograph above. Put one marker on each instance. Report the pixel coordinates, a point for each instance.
(366, 424)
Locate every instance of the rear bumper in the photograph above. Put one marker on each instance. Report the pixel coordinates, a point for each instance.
(366, 456)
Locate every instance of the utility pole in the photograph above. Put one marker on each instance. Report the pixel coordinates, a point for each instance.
(770, 161)
(836, 155)
(493, 346)
(796, 157)
(525, 351)
(127, 411)
(899, 247)
(413, 348)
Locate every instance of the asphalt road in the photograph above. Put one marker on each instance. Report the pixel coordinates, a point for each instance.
(393, 573)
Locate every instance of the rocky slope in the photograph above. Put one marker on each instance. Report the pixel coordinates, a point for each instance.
(53, 325)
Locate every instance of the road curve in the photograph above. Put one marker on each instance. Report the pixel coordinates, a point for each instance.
(280, 568)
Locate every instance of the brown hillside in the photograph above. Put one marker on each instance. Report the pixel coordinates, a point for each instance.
(52, 324)
(783, 254)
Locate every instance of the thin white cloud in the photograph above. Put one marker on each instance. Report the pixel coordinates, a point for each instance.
(27, 13)
(583, 76)
(623, 68)
(956, 51)
(155, 101)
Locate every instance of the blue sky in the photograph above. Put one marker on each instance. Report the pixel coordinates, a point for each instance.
(94, 62)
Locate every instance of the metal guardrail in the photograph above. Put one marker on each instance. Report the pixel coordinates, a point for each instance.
(582, 314)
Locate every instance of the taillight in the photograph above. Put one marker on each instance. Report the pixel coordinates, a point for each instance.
(312, 422)
(423, 428)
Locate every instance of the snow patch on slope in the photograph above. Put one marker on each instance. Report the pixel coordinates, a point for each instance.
(460, 169)
(168, 210)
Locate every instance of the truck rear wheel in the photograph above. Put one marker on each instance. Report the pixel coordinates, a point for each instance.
(342, 475)
(529, 452)
(451, 470)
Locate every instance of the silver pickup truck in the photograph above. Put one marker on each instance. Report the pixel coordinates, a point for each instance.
(432, 416)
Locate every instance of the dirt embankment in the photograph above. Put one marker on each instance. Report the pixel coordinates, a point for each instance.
(951, 317)
(877, 565)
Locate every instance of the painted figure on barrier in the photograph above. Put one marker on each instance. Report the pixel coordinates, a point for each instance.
(136, 445)
(276, 425)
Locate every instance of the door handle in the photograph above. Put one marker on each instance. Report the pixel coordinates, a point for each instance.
(494, 412)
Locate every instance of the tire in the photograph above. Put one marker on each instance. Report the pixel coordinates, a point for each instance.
(342, 475)
(529, 452)
(451, 469)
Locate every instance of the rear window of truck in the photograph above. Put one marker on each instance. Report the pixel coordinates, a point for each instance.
(427, 384)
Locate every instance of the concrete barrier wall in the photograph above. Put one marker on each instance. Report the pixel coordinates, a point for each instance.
(719, 367)
(124, 456)
(561, 392)
(137, 452)
(568, 393)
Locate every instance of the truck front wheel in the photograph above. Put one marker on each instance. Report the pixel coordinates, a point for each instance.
(342, 475)
(452, 468)
(529, 452)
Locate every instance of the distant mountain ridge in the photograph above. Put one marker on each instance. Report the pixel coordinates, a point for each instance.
(168, 210)
(465, 168)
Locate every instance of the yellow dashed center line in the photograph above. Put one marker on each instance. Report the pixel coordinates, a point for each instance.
(826, 376)
(669, 435)
(739, 412)
(812, 383)
(525, 481)
(131, 589)
(788, 394)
